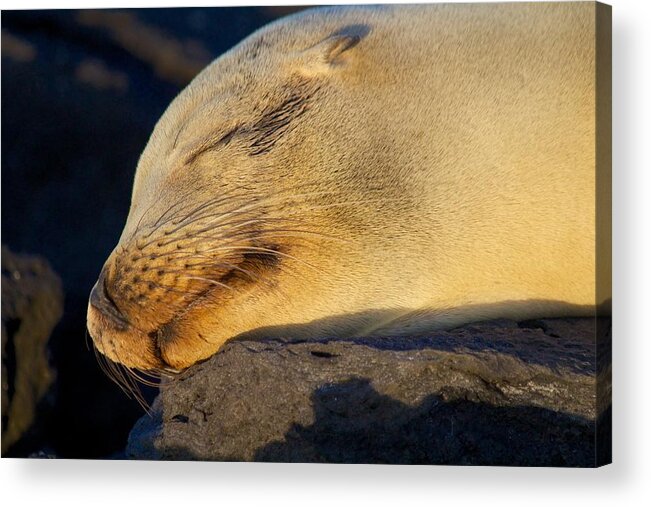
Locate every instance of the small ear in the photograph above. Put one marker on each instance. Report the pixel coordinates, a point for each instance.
(328, 50)
(331, 51)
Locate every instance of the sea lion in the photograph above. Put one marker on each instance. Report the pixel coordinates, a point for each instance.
(355, 170)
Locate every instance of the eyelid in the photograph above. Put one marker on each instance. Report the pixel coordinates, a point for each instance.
(224, 139)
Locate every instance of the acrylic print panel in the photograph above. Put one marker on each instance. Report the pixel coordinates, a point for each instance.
(356, 234)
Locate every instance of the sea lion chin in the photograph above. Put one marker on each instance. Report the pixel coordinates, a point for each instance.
(357, 170)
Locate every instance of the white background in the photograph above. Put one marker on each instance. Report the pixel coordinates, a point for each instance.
(625, 483)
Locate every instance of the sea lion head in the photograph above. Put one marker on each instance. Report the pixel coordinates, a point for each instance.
(213, 210)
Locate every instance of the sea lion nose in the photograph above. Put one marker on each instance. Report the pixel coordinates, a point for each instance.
(101, 299)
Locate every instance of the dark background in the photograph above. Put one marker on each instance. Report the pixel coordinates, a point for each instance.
(81, 92)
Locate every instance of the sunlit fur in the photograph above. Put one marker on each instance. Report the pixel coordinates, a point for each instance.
(372, 170)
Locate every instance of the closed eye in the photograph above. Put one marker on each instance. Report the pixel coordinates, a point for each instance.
(269, 128)
(212, 144)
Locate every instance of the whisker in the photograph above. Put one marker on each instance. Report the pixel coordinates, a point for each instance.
(254, 249)
(246, 198)
(267, 233)
(216, 200)
(230, 235)
(131, 388)
(218, 221)
(137, 375)
(108, 368)
(195, 234)
(208, 280)
(141, 219)
(170, 288)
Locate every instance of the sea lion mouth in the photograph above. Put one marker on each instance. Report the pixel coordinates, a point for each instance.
(251, 269)
(151, 330)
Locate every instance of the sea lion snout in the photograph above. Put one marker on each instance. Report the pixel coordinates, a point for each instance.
(102, 300)
(116, 335)
(145, 290)
(115, 307)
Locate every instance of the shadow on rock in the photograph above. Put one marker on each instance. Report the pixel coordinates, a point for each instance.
(356, 424)
(534, 341)
(437, 401)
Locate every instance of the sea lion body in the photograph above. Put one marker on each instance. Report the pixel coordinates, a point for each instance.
(357, 170)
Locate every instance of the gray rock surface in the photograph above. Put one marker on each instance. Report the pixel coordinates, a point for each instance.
(494, 393)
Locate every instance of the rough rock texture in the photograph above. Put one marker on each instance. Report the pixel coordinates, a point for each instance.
(32, 304)
(495, 393)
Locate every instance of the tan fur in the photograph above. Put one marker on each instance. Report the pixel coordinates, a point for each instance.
(435, 165)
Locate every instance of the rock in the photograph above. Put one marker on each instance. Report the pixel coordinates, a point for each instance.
(497, 393)
(32, 304)
(43, 454)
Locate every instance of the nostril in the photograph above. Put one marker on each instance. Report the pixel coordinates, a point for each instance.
(101, 299)
(107, 295)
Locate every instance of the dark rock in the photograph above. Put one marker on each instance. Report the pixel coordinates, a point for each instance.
(43, 454)
(32, 304)
(484, 394)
